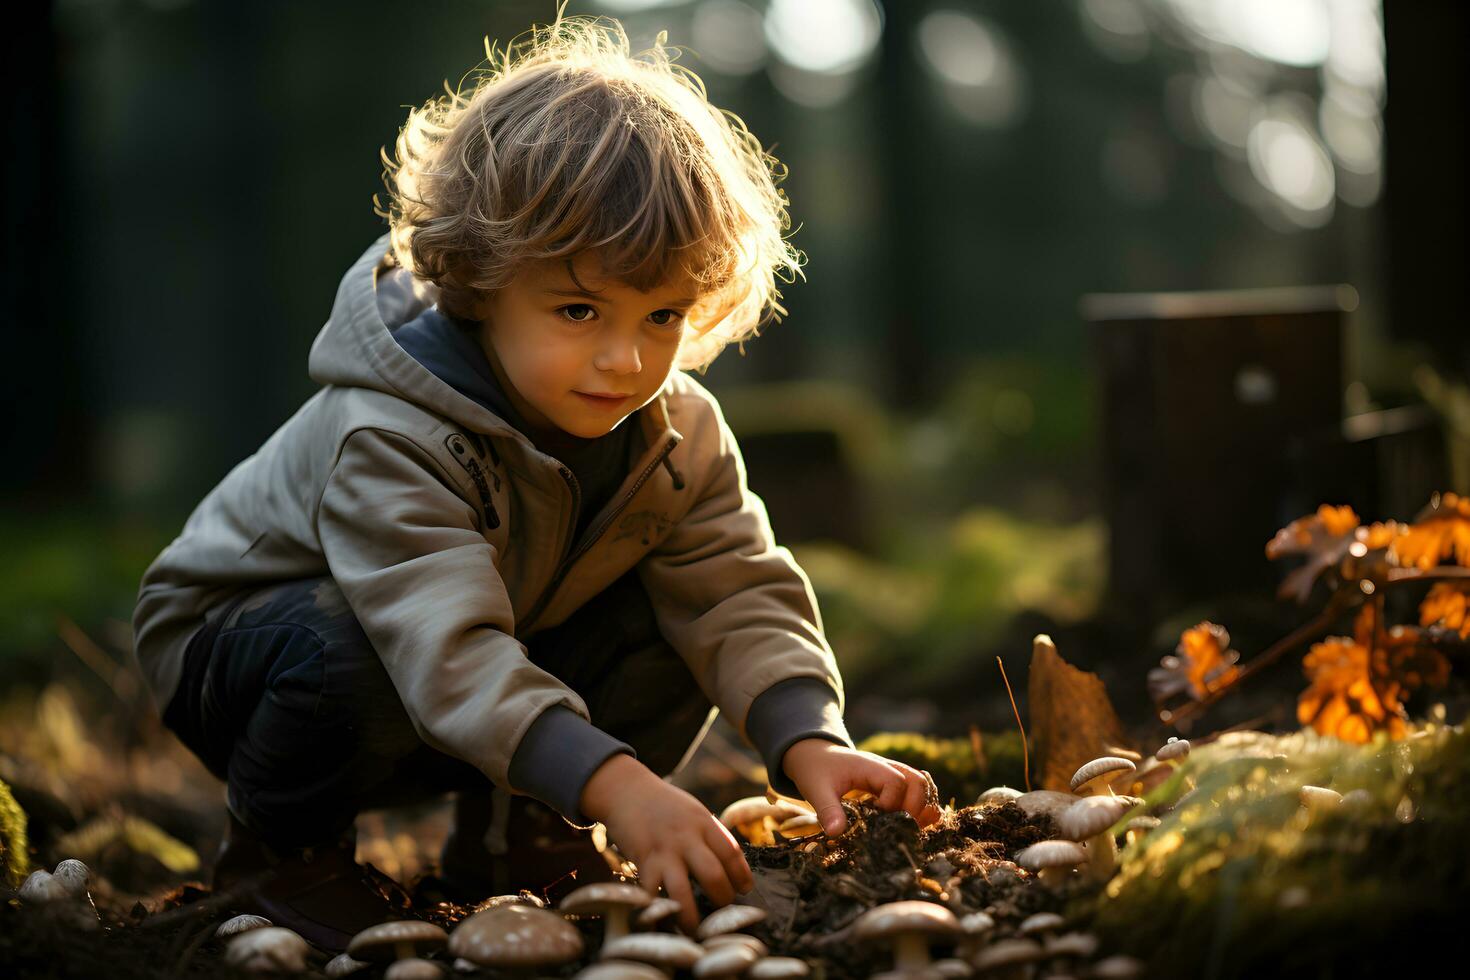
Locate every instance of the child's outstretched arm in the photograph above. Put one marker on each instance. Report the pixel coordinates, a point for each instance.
(668, 833)
(823, 771)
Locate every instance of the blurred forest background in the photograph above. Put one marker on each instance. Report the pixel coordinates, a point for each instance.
(939, 426)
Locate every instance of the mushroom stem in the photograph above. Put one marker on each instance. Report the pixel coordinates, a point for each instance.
(910, 952)
(1102, 856)
(615, 923)
(403, 951)
(1054, 876)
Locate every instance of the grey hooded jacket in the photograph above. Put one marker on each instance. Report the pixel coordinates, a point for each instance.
(451, 536)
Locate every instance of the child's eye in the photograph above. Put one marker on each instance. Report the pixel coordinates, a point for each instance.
(666, 318)
(577, 312)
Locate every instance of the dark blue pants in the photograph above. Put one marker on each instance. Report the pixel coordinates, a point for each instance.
(283, 698)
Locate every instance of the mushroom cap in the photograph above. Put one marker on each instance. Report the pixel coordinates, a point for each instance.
(1175, 748)
(1100, 767)
(998, 794)
(42, 887)
(1041, 922)
(660, 949)
(953, 967)
(74, 877)
(1007, 952)
(802, 825)
(1117, 968)
(1051, 854)
(239, 924)
(1046, 802)
(602, 897)
(380, 943)
(342, 964)
(1143, 823)
(1316, 796)
(728, 960)
(731, 918)
(621, 970)
(520, 898)
(1090, 815)
(753, 808)
(269, 949)
(778, 968)
(515, 936)
(735, 939)
(656, 911)
(977, 923)
(1075, 944)
(413, 968)
(906, 917)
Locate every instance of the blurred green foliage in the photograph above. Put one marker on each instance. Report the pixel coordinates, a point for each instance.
(82, 565)
(952, 762)
(1241, 879)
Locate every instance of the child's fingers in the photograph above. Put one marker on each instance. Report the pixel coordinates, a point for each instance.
(676, 883)
(828, 808)
(724, 847)
(917, 787)
(710, 873)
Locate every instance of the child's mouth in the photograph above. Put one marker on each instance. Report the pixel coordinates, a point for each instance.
(603, 401)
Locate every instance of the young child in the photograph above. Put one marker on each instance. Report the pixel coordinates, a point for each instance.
(508, 550)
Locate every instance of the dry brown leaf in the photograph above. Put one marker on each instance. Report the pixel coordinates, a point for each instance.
(1342, 699)
(1440, 532)
(1071, 719)
(1447, 606)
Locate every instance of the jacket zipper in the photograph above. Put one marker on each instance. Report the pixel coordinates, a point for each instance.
(596, 532)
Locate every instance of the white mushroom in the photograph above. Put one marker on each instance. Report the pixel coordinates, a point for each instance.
(342, 964)
(1174, 749)
(613, 900)
(909, 926)
(1097, 769)
(997, 795)
(1091, 819)
(414, 968)
(74, 877)
(402, 939)
(511, 937)
(729, 960)
(1052, 860)
(731, 918)
(778, 968)
(1009, 958)
(667, 952)
(41, 888)
(268, 950)
(239, 924)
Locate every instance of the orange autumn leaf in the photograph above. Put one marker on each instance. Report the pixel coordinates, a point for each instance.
(1440, 532)
(1323, 538)
(1202, 663)
(1447, 606)
(1344, 698)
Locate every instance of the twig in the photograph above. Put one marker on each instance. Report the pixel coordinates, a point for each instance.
(113, 674)
(205, 906)
(1276, 651)
(1025, 752)
(1397, 575)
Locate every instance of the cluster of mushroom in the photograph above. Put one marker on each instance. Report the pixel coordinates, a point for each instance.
(64, 892)
(513, 933)
(759, 819)
(1084, 822)
(910, 927)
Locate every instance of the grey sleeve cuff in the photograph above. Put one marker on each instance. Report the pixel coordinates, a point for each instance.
(787, 712)
(557, 755)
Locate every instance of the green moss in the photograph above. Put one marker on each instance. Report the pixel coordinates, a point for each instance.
(1241, 879)
(15, 859)
(952, 761)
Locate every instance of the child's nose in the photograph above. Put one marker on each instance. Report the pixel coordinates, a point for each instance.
(619, 357)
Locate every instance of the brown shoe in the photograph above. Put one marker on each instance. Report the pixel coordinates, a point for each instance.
(321, 892)
(541, 852)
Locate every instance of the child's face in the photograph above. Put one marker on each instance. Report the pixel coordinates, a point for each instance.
(581, 358)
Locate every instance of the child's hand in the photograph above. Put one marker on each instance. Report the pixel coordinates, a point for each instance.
(824, 771)
(668, 834)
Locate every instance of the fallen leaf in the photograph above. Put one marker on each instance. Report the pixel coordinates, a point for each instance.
(1323, 537)
(1071, 719)
(1447, 606)
(1440, 532)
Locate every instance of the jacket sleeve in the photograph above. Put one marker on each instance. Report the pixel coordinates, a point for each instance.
(424, 582)
(736, 606)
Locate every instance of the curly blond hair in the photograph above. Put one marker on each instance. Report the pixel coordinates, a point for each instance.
(567, 143)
